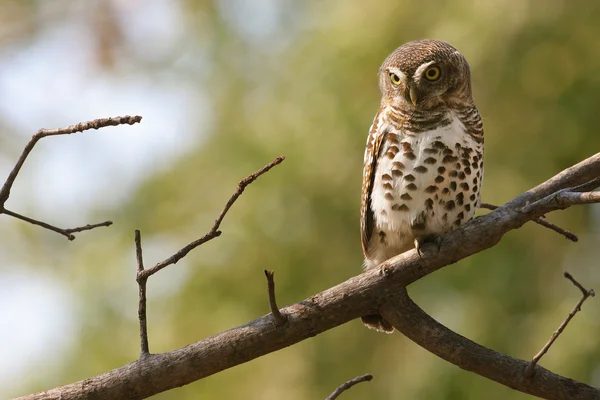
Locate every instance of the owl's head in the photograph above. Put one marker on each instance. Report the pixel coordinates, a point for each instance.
(425, 74)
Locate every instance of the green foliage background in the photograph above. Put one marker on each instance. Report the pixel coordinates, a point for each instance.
(308, 89)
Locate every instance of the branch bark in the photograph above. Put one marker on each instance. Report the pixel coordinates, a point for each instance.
(378, 290)
(415, 324)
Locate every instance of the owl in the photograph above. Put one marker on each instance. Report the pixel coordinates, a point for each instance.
(423, 165)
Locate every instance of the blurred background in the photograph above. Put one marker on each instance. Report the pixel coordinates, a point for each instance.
(224, 87)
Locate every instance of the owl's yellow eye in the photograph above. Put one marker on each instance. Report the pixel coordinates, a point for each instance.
(395, 78)
(432, 73)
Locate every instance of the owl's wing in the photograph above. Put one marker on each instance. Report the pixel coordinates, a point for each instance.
(375, 143)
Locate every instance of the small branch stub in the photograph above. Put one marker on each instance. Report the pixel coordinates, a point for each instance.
(348, 385)
(141, 280)
(530, 369)
(280, 319)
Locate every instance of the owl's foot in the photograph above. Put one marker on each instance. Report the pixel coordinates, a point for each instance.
(377, 323)
(422, 241)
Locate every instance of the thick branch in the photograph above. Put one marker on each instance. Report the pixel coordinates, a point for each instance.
(364, 294)
(415, 324)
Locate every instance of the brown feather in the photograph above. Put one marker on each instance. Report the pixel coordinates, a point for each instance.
(374, 147)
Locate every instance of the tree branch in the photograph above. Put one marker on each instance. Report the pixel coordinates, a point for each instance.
(65, 232)
(529, 371)
(414, 323)
(214, 231)
(42, 133)
(88, 227)
(143, 275)
(141, 280)
(378, 290)
(347, 385)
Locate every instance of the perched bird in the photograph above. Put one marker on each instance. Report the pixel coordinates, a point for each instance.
(423, 165)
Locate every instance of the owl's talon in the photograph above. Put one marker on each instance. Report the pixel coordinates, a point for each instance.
(434, 239)
(438, 241)
(418, 247)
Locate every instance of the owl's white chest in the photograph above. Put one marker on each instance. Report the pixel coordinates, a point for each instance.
(425, 183)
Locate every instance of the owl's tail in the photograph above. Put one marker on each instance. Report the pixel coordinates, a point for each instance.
(376, 322)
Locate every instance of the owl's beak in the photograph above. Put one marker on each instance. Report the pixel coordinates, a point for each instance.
(414, 96)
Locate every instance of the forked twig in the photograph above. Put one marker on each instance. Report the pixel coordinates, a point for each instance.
(529, 370)
(214, 231)
(280, 319)
(347, 385)
(65, 232)
(541, 221)
(42, 133)
(143, 274)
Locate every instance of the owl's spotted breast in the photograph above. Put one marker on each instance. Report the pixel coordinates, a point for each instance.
(426, 183)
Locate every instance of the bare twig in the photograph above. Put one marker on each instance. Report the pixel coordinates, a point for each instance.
(348, 385)
(279, 318)
(214, 231)
(39, 223)
(68, 233)
(541, 221)
(143, 274)
(88, 227)
(141, 280)
(529, 370)
(586, 293)
(42, 133)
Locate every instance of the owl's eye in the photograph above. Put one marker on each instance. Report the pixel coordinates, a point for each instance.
(432, 73)
(395, 78)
